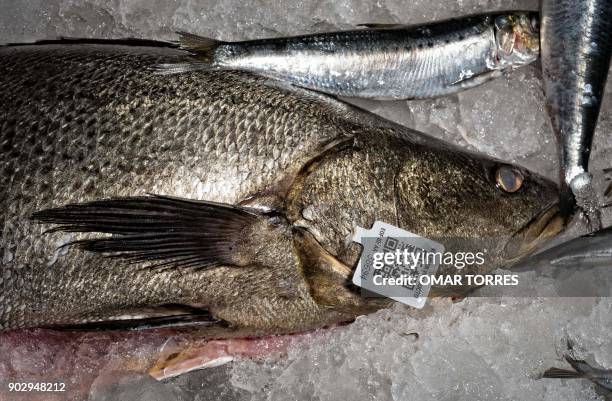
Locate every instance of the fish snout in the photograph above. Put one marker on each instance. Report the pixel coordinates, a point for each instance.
(518, 39)
(542, 228)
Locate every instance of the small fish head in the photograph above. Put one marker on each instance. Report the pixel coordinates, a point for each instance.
(518, 39)
(506, 209)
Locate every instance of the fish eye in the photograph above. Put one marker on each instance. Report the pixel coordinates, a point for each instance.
(509, 179)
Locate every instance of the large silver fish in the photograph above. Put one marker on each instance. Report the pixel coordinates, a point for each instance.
(576, 48)
(260, 188)
(383, 63)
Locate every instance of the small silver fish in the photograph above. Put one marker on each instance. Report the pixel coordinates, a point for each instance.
(582, 370)
(581, 267)
(576, 49)
(383, 62)
(585, 252)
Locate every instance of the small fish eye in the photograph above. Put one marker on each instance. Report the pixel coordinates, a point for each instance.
(509, 179)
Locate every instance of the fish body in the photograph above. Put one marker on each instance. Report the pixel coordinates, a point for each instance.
(576, 46)
(382, 63)
(259, 188)
(582, 370)
(580, 267)
(585, 252)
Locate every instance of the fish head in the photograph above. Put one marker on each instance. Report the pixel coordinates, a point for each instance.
(507, 209)
(517, 38)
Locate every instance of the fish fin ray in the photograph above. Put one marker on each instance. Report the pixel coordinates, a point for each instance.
(556, 373)
(203, 47)
(202, 55)
(164, 231)
(579, 365)
(328, 278)
(172, 316)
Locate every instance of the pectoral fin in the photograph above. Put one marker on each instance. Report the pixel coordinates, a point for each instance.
(164, 232)
(329, 279)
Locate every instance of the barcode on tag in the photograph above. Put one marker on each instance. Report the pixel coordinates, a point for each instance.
(392, 262)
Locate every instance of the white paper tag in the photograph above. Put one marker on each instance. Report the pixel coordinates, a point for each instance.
(409, 249)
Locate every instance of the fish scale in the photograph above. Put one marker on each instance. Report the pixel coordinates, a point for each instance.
(576, 49)
(158, 153)
(400, 62)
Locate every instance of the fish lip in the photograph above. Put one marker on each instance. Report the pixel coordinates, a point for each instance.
(546, 225)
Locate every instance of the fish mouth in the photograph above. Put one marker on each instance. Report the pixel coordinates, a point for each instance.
(543, 227)
(517, 39)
